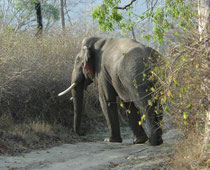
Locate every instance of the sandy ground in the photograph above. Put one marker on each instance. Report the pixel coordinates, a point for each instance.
(96, 155)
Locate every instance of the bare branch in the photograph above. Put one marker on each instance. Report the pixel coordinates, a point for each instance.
(133, 33)
(126, 6)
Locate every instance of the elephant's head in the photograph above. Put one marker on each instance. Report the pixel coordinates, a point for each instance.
(82, 75)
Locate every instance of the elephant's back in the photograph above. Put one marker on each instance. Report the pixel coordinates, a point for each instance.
(122, 45)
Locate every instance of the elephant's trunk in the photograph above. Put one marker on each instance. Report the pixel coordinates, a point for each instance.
(77, 94)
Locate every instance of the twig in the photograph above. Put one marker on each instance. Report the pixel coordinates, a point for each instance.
(126, 6)
(133, 33)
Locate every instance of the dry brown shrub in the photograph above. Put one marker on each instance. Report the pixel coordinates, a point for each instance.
(184, 83)
(185, 71)
(33, 71)
(6, 121)
(188, 153)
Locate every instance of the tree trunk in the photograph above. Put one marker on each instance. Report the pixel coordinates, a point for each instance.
(203, 12)
(62, 15)
(39, 18)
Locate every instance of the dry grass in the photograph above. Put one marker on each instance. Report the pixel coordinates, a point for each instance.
(40, 127)
(33, 71)
(188, 154)
(6, 121)
(23, 129)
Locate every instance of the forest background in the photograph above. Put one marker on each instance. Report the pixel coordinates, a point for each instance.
(37, 54)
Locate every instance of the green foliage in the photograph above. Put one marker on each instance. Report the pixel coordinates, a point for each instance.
(128, 111)
(135, 84)
(147, 37)
(50, 11)
(143, 118)
(181, 89)
(108, 16)
(150, 103)
(26, 9)
(163, 17)
(178, 11)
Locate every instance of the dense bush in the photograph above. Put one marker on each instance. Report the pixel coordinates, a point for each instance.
(32, 72)
(184, 80)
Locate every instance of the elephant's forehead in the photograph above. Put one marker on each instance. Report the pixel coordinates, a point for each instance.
(89, 41)
(84, 41)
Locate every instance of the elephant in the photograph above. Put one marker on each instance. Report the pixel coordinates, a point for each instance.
(118, 67)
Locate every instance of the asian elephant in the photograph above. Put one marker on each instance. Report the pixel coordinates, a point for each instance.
(118, 67)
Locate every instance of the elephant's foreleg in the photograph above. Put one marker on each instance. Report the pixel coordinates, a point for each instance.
(134, 118)
(112, 119)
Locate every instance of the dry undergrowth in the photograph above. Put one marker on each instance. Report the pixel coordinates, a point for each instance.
(32, 72)
(188, 153)
(186, 70)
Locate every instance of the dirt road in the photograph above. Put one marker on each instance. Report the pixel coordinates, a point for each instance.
(95, 155)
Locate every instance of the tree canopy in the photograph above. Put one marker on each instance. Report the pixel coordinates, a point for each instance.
(109, 15)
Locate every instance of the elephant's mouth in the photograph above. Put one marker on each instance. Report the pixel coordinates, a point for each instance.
(68, 89)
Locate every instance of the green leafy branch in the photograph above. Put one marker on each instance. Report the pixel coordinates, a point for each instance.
(108, 15)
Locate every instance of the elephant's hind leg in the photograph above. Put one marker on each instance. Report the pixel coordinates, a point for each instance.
(134, 118)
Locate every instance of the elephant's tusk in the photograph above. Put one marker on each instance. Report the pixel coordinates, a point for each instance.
(71, 98)
(67, 90)
(85, 48)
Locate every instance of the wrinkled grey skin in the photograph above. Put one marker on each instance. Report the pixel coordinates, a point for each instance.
(116, 66)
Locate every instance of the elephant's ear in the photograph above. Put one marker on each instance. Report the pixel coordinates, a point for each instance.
(88, 66)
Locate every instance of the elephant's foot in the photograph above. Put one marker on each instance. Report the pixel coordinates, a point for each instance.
(140, 140)
(155, 138)
(155, 142)
(114, 140)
